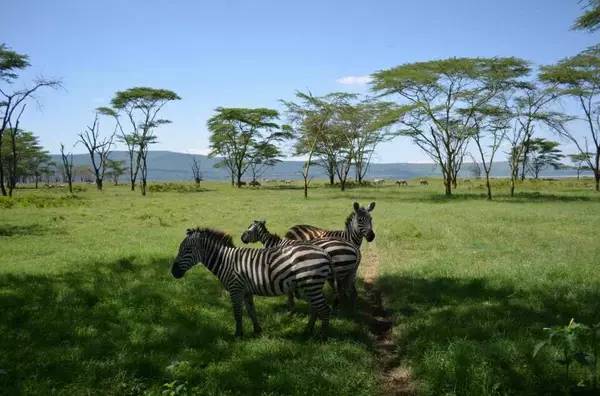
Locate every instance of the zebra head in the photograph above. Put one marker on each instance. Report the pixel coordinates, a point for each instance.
(199, 245)
(254, 232)
(187, 255)
(361, 221)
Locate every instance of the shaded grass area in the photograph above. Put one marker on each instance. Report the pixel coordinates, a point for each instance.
(473, 337)
(125, 327)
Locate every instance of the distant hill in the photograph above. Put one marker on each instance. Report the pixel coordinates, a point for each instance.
(168, 165)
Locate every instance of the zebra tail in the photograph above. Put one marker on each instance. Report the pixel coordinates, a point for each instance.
(334, 284)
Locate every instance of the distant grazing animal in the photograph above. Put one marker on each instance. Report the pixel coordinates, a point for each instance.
(379, 181)
(423, 182)
(359, 225)
(245, 272)
(241, 183)
(401, 182)
(345, 257)
(255, 183)
(287, 181)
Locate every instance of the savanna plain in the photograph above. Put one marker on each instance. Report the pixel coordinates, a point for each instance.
(88, 306)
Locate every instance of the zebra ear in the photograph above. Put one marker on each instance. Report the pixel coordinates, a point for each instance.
(263, 222)
(356, 206)
(371, 206)
(188, 231)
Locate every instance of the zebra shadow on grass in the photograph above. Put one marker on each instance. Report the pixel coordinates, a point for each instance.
(126, 326)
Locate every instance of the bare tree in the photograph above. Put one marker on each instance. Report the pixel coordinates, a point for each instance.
(98, 149)
(196, 171)
(67, 162)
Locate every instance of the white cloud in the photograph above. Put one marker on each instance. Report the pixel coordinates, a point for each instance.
(354, 80)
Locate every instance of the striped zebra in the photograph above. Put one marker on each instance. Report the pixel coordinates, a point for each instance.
(345, 257)
(358, 225)
(245, 272)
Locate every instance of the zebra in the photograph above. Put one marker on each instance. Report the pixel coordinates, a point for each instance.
(245, 272)
(359, 224)
(345, 257)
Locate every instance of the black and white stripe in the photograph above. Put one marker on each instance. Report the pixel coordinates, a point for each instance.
(245, 272)
(345, 257)
(359, 225)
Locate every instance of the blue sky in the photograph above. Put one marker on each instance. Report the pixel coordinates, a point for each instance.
(253, 53)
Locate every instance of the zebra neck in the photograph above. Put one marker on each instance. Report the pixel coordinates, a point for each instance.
(270, 240)
(352, 235)
(218, 260)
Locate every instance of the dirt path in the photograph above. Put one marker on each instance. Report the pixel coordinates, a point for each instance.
(395, 380)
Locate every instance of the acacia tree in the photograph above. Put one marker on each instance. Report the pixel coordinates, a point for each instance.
(529, 109)
(67, 166)
(490, 126)
(580, 161)
(544, 153)
(436, 94)
(236, 132)
(578, 77)
(98, 149)
(590, 19)
(13, 103)
(263, 155)
(141, 106)
(311, 120)
(31, 157)
(115, 169)
(369, 124)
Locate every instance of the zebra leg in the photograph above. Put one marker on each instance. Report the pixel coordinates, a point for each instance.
(310, 328)
(236, 302)
(336, 295)
(249, 300)
(290, 302)
(319, 308)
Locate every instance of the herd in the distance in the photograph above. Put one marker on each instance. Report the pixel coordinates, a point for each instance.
(297, 265)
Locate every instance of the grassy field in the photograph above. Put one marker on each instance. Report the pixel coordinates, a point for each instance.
(88, 306)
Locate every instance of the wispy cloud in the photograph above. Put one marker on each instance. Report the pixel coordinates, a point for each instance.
(354, 80)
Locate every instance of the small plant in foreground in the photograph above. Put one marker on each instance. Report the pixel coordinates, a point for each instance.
(578, 343)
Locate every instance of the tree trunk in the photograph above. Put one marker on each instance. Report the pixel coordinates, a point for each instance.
(132, 184)
(488, 186)
(597, 181)
(2, 171)
(239, 180)
(36, 182)
(331, 179)
(70, 186)
(512, 186)
(98, 183)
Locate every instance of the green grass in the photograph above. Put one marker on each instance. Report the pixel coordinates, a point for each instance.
(88, 306)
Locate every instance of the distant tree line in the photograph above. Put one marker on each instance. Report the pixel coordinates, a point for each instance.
(452, 109)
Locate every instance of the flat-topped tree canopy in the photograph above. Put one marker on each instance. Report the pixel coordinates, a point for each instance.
(590, 20)
(433, 74)
(142, 97)
(576, 75)
(441, 98)
(10, 62)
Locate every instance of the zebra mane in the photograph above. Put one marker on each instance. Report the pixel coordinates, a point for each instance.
(349, 218)
(216, 235)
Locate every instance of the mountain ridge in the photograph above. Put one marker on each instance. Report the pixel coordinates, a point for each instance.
(166, 165)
